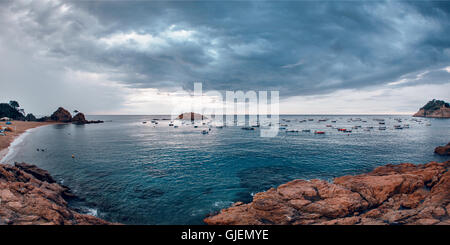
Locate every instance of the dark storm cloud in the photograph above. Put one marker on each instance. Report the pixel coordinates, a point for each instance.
(299, 48)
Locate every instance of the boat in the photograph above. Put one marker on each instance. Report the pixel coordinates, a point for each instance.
(319, 132)
(205, 132)
(144, 122)
(170, 124)
(195, 126)
(406, 126)
(382, 128)
(175, 126)
(248, 128)
(292, 131)
(382, 123)
(398, 127)
(306, 130)
(329, 126)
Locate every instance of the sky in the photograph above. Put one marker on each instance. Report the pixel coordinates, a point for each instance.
(143, 57)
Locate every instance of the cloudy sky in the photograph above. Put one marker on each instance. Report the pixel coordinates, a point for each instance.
(142, 57)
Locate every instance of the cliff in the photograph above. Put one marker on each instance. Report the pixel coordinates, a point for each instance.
(30, 196)
(434, 108)
(391, 194)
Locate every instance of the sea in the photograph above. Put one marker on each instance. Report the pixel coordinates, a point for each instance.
(135, 171)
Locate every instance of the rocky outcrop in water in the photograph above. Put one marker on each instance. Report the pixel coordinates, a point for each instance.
(30, 196)
(191, 116)
(61, 115)
(443, 150)
(79, 118)
(434, 108)
(391, 194)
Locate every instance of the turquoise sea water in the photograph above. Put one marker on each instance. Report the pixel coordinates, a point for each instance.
(135, 173)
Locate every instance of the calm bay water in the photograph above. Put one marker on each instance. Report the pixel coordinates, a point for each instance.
(135, 173)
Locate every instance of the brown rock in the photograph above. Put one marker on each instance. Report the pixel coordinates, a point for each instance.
(434, 108)
(79, 118)
(30, 196)
(191, 116)
(61, 115)
(38, 173)
(443, 150)
(391, 194)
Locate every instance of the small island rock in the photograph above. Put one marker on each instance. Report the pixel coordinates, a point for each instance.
(434, 108)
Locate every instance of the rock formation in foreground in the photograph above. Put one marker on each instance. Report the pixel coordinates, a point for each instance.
(443, 150)
(434, 108)
(391, 194)
(30, 196)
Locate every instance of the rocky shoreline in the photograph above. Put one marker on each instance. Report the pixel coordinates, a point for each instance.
(389, 195)
(30, 196)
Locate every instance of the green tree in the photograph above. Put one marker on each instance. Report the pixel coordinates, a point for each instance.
(14, 104)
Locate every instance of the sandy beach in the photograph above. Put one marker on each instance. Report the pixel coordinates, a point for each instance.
(18, 127)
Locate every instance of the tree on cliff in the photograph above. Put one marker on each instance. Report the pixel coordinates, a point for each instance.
(6, 110)
(14, 104)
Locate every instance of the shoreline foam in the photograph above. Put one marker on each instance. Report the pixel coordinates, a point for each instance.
(21, 130)
(11, 149)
